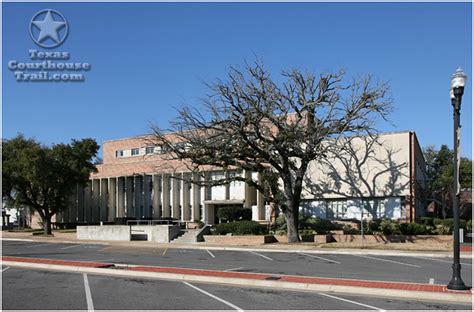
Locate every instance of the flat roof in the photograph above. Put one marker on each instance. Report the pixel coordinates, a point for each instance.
(148, 135)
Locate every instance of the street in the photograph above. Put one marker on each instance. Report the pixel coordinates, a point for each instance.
(382, 268)
(50, 290)
(25, 289)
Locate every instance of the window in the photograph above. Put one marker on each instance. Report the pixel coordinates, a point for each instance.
(149, 150)
(119, 153)
(165, 149)
(135, 151)
(375, 208)
(336, 209)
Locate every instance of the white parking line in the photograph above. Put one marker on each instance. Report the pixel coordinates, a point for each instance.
(215, 297)
(325, 259)
(37, 245)
(210, 253)
(234, 269)
(73, 246)
(3, 270)
(15, 241)
(447, 261)
(256, 253)
(386, 260)
(90, 304)
(350, 301)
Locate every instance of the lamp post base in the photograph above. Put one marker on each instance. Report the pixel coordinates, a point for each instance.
(456, 282)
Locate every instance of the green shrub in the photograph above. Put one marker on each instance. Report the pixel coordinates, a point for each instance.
(318, 225)
(349, 230)
(443, 224)
(371, 226)
(426, 221)
(415, 229)
(442, 229)
(307, 224)
(306, 232)
(230, 214)
(469, 225)
(280, 225)
(389, 227)
(240, 228)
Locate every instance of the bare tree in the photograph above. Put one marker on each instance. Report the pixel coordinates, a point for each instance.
(254, 123)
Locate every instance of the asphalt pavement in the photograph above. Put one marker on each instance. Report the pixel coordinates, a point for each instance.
(362, 267)
(27, 289)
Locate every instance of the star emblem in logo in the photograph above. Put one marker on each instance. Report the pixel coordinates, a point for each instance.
(48, 28)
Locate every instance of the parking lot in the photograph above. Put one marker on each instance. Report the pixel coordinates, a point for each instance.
(366, 267)
(27, 289)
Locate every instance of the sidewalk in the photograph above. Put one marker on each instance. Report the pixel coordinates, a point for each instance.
(276, 247)
(279, 281)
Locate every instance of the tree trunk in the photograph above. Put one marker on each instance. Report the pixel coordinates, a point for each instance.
(292, 225)
(47, 225)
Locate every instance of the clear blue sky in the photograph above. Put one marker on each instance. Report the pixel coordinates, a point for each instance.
(149, 57)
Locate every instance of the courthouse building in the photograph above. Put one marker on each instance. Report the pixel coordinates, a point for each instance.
(137, 181)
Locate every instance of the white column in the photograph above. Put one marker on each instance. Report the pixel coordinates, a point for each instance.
(177, 196)
(129, 213)
(112, 213)
(95, 200)
(166, 196)
(186, 198)
(120, 197)
(138, 196)
(196, 198)
(146, 196)
(104, 199)
(260, 201)
(88, 202)
(157, 192)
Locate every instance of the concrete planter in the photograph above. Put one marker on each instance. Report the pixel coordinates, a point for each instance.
(373, 239)
(324, 238)
(106, 232)
(307, 238)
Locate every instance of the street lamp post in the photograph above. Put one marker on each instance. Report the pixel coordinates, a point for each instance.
(458, 81)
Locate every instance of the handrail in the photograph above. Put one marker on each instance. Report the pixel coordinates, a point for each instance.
(159, 222)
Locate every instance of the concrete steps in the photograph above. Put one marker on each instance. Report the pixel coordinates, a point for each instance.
(187, 236)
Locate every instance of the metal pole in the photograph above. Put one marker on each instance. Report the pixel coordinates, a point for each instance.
(456, 282)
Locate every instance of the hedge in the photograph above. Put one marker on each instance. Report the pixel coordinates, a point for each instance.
(307, 225)
(230, 214)
(240, 228)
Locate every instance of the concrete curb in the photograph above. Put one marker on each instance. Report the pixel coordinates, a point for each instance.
(328, 251)
(248, 282)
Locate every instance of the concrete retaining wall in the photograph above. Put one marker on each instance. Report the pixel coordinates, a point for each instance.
(425, 239)
(157, 233)
(154, 233)
(106, 232)
(239, 240)
(373, 239)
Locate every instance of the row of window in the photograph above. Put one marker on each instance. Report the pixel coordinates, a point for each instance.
(148, 150)
(372, 208)
(338, 208)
